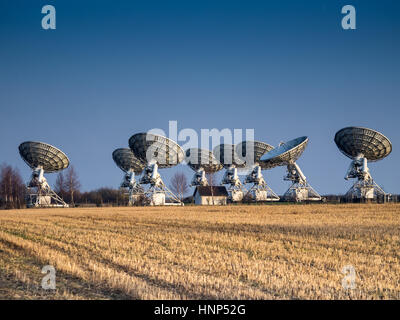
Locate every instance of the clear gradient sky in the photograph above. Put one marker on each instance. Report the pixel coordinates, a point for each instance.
(115, 68)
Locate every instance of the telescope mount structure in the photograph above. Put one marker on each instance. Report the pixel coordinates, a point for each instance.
(286, 154)
(363, 145)
(202, 162)
(127, 162)
(157, 152)
(252, 151)
(42, 158)
(227, 156)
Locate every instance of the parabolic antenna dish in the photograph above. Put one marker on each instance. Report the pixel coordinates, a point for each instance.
(202, 159)
(356, 141)
(285, 154)
(227, 156)
(259, 149)
(126, 160)
(39, 154)
(150, 148)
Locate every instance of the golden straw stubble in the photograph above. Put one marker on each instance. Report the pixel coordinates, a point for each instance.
(229, 252)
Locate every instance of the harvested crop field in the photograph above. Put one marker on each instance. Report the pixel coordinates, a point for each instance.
(230, 252)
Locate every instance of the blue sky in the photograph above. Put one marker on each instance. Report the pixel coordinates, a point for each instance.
(283, 68)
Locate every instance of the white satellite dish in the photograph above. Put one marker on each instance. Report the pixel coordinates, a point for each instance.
(286, 154)
(42, 158)
(127, 162)
(230, 160)
(157, 152)
(363, 145)
(202, 162)
(251, 152)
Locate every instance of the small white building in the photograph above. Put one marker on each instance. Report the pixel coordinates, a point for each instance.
(158, 199)
(207, 195)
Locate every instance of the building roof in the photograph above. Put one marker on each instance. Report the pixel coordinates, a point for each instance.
(214, 191)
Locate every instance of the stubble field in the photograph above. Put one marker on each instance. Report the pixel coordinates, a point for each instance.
(231, 252)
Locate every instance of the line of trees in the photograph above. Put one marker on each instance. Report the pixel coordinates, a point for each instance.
(12, 188)
(104, 197)
(67, 186)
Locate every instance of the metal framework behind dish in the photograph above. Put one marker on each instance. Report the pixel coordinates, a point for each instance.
(230, 160)
(202, 162)
(42, 158)
(127, 162)
(363, 145)
(287, 154)
(157, 152)
(251, 152)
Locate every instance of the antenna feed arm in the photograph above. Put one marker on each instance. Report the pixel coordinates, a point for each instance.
(295, 174)
(199, 178)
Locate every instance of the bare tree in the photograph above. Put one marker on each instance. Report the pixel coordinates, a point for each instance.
(179, 184)
(211, 178)
(72, 183)
(18, 189)
(12, 188)
(60, 185)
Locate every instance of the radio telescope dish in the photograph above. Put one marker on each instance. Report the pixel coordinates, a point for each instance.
(202, 161)
(230, 160)
(157, 152)
(363, 145)
(227, 156)
(42, 158)
(39, 154)
(251, 152)
(356, 141)
(127, 162)
(152, 148)
(286, 154)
